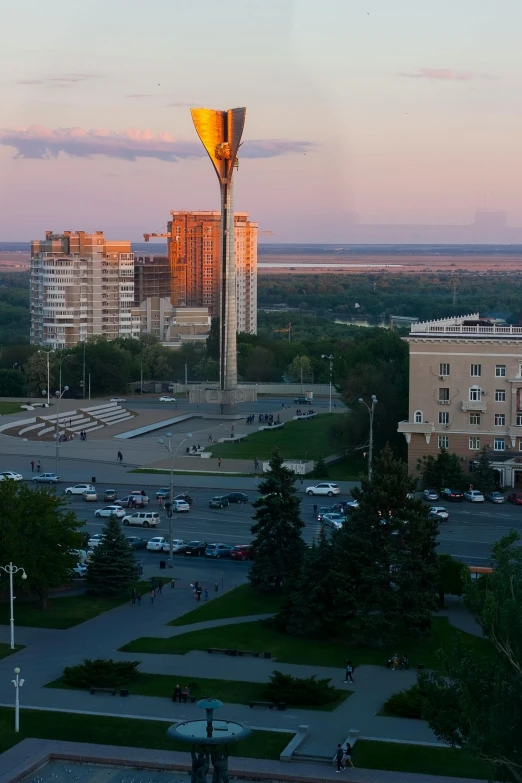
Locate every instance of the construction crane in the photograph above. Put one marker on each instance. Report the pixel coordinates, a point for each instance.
(168, 235)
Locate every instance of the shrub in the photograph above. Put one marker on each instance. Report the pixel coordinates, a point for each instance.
(405, 704)
(101, 673)
(320, 470)
(299, 691)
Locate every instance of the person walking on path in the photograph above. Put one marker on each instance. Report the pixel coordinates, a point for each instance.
(151, 596)
(347, 757)
(339, 754)
(314, 509)
(206, 594)
(349, 671)
(134, 597)
(119, 457)
(38, 466)
(219, 462)
(32, 466)
(153, 584)
(198, 593)
(140, 567)
(160, 587)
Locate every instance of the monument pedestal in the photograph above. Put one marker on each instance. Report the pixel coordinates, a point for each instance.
(227, 399)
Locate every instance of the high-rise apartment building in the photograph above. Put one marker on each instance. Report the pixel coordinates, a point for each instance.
(80, 285)
(152, 278)
(466, 393)
(195, 253)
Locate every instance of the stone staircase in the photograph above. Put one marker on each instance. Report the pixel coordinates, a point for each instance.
(70, 423)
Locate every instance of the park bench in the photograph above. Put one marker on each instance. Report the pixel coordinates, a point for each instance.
(221, 650)
(253, 653)
(112, 691)
(277, 705)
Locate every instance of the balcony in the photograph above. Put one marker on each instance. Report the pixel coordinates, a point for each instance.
(474, 405)
(409, 428)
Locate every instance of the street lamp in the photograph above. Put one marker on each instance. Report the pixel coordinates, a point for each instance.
(12, 570)
(51, 350)
(173, 453)
(57, 427)
(371, 410)
(17, 682)
(15, 365)
(330, 359)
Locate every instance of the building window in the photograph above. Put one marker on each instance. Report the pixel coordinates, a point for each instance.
(444, 369)
(500, 395)
(443, 441)
(475, 393)
(500, 420)
(444, 417)
(443, 395)
(418, 419)
(500, 371)
(476, 370)
(474, 444)
(500, 444)
(519, 419)
(474, 418)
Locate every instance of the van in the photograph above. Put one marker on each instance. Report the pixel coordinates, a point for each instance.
(142, 518)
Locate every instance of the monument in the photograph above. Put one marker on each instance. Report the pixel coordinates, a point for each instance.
(220, 133)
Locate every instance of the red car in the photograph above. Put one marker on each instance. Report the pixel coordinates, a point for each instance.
(515, 498)
(241, 552)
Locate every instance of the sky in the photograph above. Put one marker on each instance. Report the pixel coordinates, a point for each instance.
(358, 111)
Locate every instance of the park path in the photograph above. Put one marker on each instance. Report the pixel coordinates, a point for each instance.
(49, 651)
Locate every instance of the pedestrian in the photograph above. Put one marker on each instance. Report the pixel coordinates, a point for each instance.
(210, 437)
(160, 586)
(134, 597)
(349, 671)
(219, 462)
(301, 480)
(314, 507)
(140, 567)
(198, 593)
(339, 754)
(206, 594)
(232, 430)
(347, 757)
(139, 599)
(153, 584)
(32, 466)
(176, 696)
(160, 501)
(151, 596)
(38, 467)
(120, 457)
(185, 694)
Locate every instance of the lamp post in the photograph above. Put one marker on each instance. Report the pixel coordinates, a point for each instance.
(371, 410)
(173, 453)
(15, 365)
(12, 570)
(51, 350)
(17, 682)
(57, 428)
(330, 359)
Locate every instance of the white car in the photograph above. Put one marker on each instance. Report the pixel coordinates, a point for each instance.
(8, 474)
(79, 489)
(474, 496)
(156, 544)
(333, 520)
(95, 540)
(109, 511)
(46, 478)
(177, 546)
(324, 489)
(117, 399)
(180, 505)
(80, 569)
(167, 399)
(438, 512)
(143, 518)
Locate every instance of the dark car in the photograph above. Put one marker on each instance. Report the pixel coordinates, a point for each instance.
(241, 552)
(515, 498)
(236, 497)
(130, 501)
(322, 511)
(454, 495)
(164, 494)
(218, 501)
(196, 548)
(302, 401)
(110, 494)
(135, 542)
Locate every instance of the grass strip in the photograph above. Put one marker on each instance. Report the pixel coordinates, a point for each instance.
(419, 759)
(242, 601)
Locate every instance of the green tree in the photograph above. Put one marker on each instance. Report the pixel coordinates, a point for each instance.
(113, 568)
(40, 534)
(206, 370)
(453, 576)
(36, 373)
(12, 383)
(260, 365)
(155, 359)
(444, 470)
(300, 370)
(320, 469)
(483, 477)
(476, 703)
(278, 545)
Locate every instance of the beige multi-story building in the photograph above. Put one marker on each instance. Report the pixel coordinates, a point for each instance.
(81, 285)
(466, 393)
(171, 325)
(195, 260)
(152, 277)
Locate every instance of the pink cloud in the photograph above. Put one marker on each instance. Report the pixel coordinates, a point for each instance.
(446, 75)
(41, 143)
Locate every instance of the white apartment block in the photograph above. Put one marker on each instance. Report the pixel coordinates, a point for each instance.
(81, 285)
(466, 393)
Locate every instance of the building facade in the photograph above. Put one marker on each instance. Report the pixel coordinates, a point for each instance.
(81, 285)
(152, 277)
(194, 254)
(171, 325)
(466, 393)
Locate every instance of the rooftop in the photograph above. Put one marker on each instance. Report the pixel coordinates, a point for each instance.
(465, 326)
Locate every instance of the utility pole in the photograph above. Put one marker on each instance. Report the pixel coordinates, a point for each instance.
(89, 387)
(371, 411)
(330, 359)
(83, 383)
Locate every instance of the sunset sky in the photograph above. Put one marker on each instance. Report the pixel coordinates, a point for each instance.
(398, 112)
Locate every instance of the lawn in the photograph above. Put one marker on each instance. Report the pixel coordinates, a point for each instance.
(417, 759)
(125, 732)
(297, 440)
(5, 649)
(239, 602)
(229, 691)
(10, 407)
(314, 652)
(348, 469)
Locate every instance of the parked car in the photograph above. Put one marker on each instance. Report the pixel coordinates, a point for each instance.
(140, 494)
(156, 544)
(515, 498)
(90, 495)
(177, 546)
(142, 518)
(195, 548)
(117, 399)
(430, 494)
(324, 489)
(135, 542)
(8, 474)
(109, 511)
(495, 497)
(438, 512)
(333, 520)
(180, 505)
(110, 494)
(164, 494)
(95, 540)
(474, 496)
(46, 478)
(454, 495)
(80, 570)
(350, 505)
(236, 497)
(219, 501)
(167, 399)
(131, 501)
(322, 511)
(79, 489)
(241, 552)
(302, 401)
(218, 550)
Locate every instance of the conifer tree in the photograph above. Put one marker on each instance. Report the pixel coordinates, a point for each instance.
(444, 470)
(483, 477)
(278, 546)
(113, 569)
